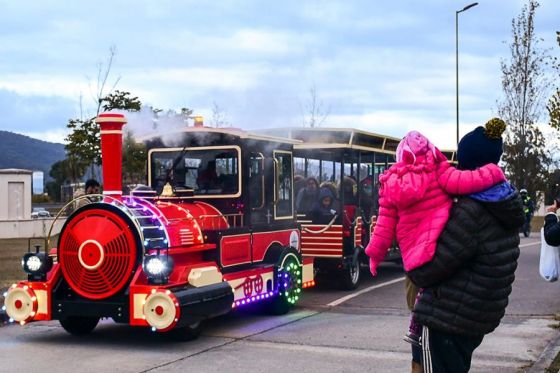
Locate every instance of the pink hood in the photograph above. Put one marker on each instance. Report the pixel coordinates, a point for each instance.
(415, 200)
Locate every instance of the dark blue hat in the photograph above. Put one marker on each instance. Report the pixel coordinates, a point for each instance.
(481, 146)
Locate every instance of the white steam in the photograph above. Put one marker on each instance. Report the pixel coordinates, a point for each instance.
(146, 124)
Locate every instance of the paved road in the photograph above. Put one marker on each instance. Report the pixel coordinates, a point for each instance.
(329, 331)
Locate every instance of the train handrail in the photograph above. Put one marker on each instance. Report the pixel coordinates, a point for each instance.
(225, 217)
(87, 198)
(322, 230)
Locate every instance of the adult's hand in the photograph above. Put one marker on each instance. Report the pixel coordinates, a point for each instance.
(552, 208)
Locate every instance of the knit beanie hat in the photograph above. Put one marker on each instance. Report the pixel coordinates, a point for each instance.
(481, 146)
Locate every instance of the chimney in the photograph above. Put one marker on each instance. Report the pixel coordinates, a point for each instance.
(111, 152)
(198, 121)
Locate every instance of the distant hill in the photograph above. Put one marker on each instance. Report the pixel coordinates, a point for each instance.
(19, 151)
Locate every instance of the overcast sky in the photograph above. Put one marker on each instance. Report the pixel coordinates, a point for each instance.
(387, 67)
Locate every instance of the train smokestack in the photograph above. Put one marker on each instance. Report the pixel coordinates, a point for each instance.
(111, 152)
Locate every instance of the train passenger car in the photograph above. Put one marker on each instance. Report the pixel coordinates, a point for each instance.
(214, 229)
(348, 162)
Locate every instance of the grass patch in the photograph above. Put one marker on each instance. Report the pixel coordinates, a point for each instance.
(11, 252)
(555, 366)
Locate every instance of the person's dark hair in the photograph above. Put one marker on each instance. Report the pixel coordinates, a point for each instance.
(92, 183)
(313, 180)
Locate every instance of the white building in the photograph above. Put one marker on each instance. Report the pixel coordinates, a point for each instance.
(15, 207)
(15, 194)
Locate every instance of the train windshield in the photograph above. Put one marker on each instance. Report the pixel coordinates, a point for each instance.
(207, 171)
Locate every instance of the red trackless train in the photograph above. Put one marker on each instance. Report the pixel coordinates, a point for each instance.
(214, 230)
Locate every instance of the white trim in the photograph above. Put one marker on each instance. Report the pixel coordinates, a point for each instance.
(111, 132)
(112, 192)
(426, 354)
(358, 293)
(111, 119)
(101, 255)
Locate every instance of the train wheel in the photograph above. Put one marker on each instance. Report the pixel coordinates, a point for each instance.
(350, 278)
(288, 278)
(187, 333)
(77, 325)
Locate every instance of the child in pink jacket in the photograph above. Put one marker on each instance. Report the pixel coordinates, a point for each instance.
(415, 200)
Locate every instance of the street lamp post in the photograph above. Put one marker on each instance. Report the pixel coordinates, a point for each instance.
(457, 62)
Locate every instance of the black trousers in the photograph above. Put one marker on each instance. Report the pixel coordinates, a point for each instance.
(447, 353)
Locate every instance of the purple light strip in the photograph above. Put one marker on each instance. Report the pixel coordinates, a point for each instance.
(254, 299)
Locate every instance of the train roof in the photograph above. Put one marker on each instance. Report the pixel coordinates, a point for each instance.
(337, 138)
(228, 131)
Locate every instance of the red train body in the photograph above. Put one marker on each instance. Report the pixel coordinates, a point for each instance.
(169, 259)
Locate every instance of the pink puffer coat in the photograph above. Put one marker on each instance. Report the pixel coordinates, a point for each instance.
(414, 204)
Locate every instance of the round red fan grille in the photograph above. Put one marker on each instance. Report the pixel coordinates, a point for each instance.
(97, 253)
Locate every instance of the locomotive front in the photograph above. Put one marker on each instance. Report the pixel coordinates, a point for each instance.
(126, 258)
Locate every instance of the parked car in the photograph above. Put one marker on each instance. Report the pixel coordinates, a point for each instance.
(40, 212)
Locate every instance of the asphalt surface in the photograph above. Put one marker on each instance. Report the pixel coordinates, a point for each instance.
(329, 331)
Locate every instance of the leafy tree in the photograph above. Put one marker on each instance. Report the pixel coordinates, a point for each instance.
(134, 160)
(121, 100)
(524, 88)
(70, 169)
(554, 103)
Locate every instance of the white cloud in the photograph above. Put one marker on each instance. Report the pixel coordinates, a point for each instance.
(54, 135)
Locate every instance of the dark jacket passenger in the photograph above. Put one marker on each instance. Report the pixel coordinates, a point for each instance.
(551, 229)
(307, 196)
(469, 280)
(325, 208)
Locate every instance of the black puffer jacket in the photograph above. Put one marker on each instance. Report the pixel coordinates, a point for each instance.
(468, 282)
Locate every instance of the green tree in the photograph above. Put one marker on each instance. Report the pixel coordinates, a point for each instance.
(524, 88)
(68, 170)
(134, 160)
(553, 106)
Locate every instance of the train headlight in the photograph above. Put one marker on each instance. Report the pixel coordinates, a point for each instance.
(36, 265)
(157, 268)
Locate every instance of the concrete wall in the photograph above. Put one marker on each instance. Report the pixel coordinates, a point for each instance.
(29, 228)
(15, 200)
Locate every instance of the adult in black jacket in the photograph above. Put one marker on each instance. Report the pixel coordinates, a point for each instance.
(468, 282)
(551, 226)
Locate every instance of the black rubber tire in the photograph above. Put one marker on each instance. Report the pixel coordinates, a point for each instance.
(186, 333)
(79, 326)
(280, 304)
(350, 276)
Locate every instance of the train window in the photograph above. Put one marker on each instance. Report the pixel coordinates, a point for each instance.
(256, 180)
(283, 185)
(207, 171)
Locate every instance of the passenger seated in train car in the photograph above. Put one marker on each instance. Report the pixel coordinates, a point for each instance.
(307, 196)
(369, 196)
(207, 177)
(299, 184)
(349, 189)
(332, 187)
(325, 208)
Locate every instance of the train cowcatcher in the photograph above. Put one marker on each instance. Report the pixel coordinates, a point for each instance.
(215, 229)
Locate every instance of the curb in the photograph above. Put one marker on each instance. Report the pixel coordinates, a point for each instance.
(546, 357)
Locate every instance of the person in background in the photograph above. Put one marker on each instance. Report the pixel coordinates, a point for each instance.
(551, 224)
(299, 184)
(528, 209)
(330, 185)
(91, 187)
(325, 208)
(307, 196)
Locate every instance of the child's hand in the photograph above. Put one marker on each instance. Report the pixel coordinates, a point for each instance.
(372, 267)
